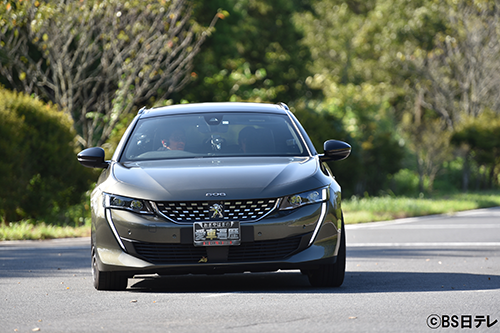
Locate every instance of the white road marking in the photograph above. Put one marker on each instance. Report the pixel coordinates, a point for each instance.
(440, 226)
(218, 295)
(495, 211)
(427, 244)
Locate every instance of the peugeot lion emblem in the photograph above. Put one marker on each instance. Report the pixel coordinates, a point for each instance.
(218, 210)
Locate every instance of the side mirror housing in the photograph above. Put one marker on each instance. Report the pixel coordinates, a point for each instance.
(92, 158)
(335, 151)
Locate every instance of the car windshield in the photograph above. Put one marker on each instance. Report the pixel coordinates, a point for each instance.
(213, 134)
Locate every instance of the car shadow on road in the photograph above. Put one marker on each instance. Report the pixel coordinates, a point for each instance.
(295, 282)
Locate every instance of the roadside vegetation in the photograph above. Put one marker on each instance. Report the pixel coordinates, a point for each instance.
(33, 230)
(73, 222)
(371, 209)
(409, 84)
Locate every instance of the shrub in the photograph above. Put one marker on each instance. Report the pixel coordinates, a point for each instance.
(404, 183)
(39, 172)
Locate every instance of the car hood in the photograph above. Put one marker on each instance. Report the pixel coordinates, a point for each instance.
(237, 178)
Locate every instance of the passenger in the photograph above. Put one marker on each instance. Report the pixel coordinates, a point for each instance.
(247, 139)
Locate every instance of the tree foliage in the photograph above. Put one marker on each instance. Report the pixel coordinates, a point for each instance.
(460, 75)
(353, 73)
(99, 59)
(421, 66)
(480, 138)
(253, 55)
(395, 78)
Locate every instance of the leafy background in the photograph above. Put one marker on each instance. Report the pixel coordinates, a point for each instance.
(411, 85)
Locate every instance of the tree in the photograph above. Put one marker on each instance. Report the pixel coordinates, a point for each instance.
(480, 138)
(460, 75)
(254, 56)
(100, 59)
(456, 75)
(352, 68)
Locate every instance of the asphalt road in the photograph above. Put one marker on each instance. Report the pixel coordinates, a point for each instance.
(430, 274)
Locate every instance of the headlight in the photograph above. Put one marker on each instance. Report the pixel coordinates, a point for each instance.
(133, 205)
(304, 198)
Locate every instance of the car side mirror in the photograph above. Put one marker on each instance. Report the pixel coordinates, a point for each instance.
(335, 151)
(93, 158)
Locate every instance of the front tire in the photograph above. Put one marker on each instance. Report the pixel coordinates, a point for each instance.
(331, 275)
(106, 280)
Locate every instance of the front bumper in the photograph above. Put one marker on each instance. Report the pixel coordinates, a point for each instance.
(135, 244)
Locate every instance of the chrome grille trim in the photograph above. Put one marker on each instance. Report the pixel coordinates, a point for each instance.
(250, 210)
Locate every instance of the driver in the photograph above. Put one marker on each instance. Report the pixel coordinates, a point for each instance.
(176, 141)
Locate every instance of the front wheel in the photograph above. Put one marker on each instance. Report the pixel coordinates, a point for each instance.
(106, 280)
(331, 275)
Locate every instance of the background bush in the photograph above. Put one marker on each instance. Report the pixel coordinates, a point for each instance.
(39, 173)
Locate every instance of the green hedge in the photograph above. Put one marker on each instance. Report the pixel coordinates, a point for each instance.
(39, 173)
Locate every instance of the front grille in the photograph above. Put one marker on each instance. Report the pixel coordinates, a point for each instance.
(198, 211)
(269, 250)
(277, 249)
(160, 253)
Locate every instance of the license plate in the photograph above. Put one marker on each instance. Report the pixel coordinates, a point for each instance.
(216, 233)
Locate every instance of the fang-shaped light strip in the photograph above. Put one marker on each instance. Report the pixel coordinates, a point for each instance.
(319, 223)
(112, 226)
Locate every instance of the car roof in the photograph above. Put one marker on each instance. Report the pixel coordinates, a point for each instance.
(214, 107)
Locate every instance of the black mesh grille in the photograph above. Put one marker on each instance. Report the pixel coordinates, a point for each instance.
(159, 253)
(237, 210)
(264, 250)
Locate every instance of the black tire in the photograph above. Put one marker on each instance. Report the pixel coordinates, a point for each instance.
(106, 280)
(331, 275)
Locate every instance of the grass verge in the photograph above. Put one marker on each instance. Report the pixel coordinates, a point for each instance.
(30, 230)
(388, 208)
(356, 210)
